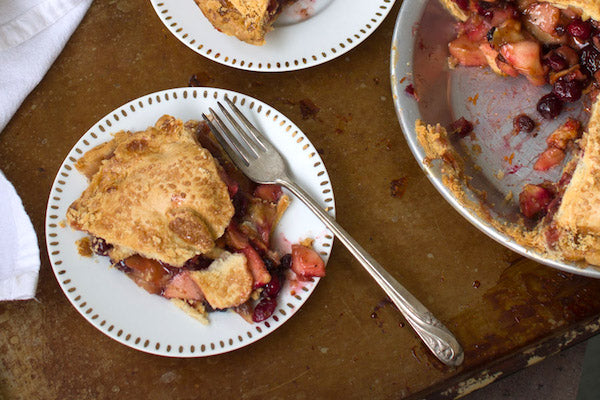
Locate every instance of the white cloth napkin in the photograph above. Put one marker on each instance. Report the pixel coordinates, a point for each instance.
(19, 252)
(32, 35)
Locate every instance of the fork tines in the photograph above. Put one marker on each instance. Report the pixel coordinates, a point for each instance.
(249, 142)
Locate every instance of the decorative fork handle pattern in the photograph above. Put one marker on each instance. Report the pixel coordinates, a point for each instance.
(434, 334)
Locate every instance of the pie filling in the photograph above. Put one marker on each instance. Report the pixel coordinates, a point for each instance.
(174, 214)
(555, 43)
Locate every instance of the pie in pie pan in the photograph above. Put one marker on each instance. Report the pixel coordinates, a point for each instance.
(514, 146)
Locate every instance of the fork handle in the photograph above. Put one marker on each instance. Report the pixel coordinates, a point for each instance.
(434, 334)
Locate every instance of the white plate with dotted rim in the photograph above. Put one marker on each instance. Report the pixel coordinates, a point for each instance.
(113, 303)
(307, 33)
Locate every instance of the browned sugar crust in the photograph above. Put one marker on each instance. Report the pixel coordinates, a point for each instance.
(156, 193)
(249, 21)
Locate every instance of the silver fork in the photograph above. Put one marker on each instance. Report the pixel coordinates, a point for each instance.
(262, 163)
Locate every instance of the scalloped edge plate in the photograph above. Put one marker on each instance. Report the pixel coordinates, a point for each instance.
(120, 309)
(328, 29)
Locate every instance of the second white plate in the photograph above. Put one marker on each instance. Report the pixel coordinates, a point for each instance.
(308, 33)
(125, 312)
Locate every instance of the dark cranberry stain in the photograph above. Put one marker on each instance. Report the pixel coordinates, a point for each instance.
(398, 187)
(200, 79)
(410, 90)
(461, 127)
(308, 109)
(526, 304)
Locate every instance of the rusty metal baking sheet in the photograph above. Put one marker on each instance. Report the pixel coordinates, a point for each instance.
(498, 303)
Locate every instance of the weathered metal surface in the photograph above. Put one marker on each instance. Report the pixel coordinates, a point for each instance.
(346, 341)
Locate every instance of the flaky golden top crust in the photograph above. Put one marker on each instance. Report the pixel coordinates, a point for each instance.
(156, 193)
(590, 8)
(227, 282)
(580, 206)
(249, 21)
(455, 10)
(578, 216)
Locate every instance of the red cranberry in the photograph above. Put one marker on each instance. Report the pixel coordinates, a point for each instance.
(550, 106)
(264, 309)
(522, 123)
(461, 127)
(590, 59)
(580, 29)
(100, 247)
(272, 288)
(556, 62)
(462, 4)
(484, 9)
(567, 90)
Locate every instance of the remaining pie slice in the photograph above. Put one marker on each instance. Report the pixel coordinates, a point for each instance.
(248, 20)
(554, 42)
(182, 222)
(576, 224)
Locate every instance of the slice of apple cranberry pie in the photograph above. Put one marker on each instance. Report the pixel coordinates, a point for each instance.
(248, 20)
(174, 214)
(549, 42)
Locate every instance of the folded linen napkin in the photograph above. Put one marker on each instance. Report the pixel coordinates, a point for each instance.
(19, 250)
(32, 34)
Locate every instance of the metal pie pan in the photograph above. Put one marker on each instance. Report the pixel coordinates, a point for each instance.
(497, 161)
